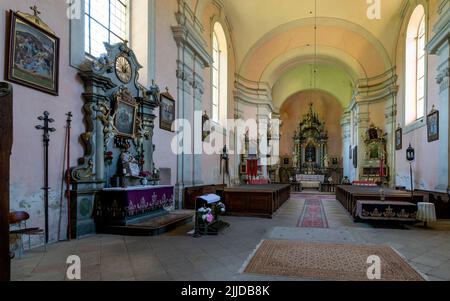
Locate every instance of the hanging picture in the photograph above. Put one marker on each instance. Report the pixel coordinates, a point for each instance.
(355, 157)
(399, 139)
(33, 53)
(433, 125)
(125, 114)
(167, 111)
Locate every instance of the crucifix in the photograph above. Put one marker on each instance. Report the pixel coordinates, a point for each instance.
(35, 10)
(46, 139)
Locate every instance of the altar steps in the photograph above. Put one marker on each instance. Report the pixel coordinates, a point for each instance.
(152, 226)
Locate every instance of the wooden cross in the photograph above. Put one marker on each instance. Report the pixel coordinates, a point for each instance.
(35, 10)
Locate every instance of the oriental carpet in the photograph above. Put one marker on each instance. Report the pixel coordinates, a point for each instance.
(327, 261)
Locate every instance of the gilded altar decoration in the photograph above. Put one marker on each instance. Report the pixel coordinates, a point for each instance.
(375, 167)
(310, 144)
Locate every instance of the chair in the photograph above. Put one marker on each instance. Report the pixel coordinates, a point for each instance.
(18, 220)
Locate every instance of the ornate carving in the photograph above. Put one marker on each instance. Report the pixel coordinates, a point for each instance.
(443, 79)
(103, 89)
(5, 89)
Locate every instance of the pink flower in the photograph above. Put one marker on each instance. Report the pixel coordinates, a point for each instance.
(210, 218)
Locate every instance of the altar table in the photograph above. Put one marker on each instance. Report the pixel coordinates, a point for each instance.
(122, 206)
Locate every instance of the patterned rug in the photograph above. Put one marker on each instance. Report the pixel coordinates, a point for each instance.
(325, 261)
(313, 214)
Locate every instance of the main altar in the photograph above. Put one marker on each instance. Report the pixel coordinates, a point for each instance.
(310, 145)
(311, 165)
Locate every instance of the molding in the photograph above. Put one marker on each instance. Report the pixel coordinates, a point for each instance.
(420, 123)
(375, 89)
(443, 79)
(77, 37)
(251, 92)
(441, 28)
(188, 34)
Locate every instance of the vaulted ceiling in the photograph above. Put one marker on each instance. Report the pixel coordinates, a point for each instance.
(271, 38)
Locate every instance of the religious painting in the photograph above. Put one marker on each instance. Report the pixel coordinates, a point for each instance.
(373, 133)
(398, 139)
(125, 114)
(286, 161)
(355, 157)
(33, 55)
(310, 154)
(433, 125)
(167, 112)
(243, 169)
(350, 152)
(374, 151)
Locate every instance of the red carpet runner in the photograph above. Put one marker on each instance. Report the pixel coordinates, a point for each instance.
(313, 214)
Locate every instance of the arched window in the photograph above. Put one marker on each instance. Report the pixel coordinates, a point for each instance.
(106, 21)
(219, 74)
(415, 66)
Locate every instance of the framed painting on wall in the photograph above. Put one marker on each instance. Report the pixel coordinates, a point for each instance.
(167, 111)
(32, 53)
(399, 139)
(433, 125)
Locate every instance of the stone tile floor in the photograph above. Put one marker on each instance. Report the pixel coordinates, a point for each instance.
(177, 256)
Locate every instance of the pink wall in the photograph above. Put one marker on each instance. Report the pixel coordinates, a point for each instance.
(27, 154)
(427, 154)
(326, 106)
(210, 163)
(166, 66)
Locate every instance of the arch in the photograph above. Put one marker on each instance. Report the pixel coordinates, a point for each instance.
(347, 37)
(415, 66)
(330, 79)
(219, 73)
(302, 55)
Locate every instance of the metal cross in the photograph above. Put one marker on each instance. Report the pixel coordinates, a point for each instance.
(35, 10)
(46, 138)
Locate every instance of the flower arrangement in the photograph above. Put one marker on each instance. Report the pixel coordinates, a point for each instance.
(206, 215)
(221, 207)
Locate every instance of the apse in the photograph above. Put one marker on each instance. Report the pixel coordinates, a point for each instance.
(329, 111)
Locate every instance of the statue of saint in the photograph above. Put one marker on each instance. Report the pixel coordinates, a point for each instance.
(326, 162)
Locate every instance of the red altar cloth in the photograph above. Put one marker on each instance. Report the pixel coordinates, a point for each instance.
(258, 182)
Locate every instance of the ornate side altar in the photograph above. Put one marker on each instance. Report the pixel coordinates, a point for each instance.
(118, 149)
(374, 167)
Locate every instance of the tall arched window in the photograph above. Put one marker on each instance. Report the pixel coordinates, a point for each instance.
(219, 74)
(415, 66)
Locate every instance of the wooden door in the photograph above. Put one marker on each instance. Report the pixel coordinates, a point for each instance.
(6, 119)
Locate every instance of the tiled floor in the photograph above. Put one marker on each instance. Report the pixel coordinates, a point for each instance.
(177, 256)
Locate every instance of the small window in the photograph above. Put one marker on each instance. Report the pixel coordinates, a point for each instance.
(415, 67)
(106, 21)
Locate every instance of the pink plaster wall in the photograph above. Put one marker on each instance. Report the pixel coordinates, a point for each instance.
(27, 154)
(427, 154)
(210, 163)
(326, 106)
(165, 70)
